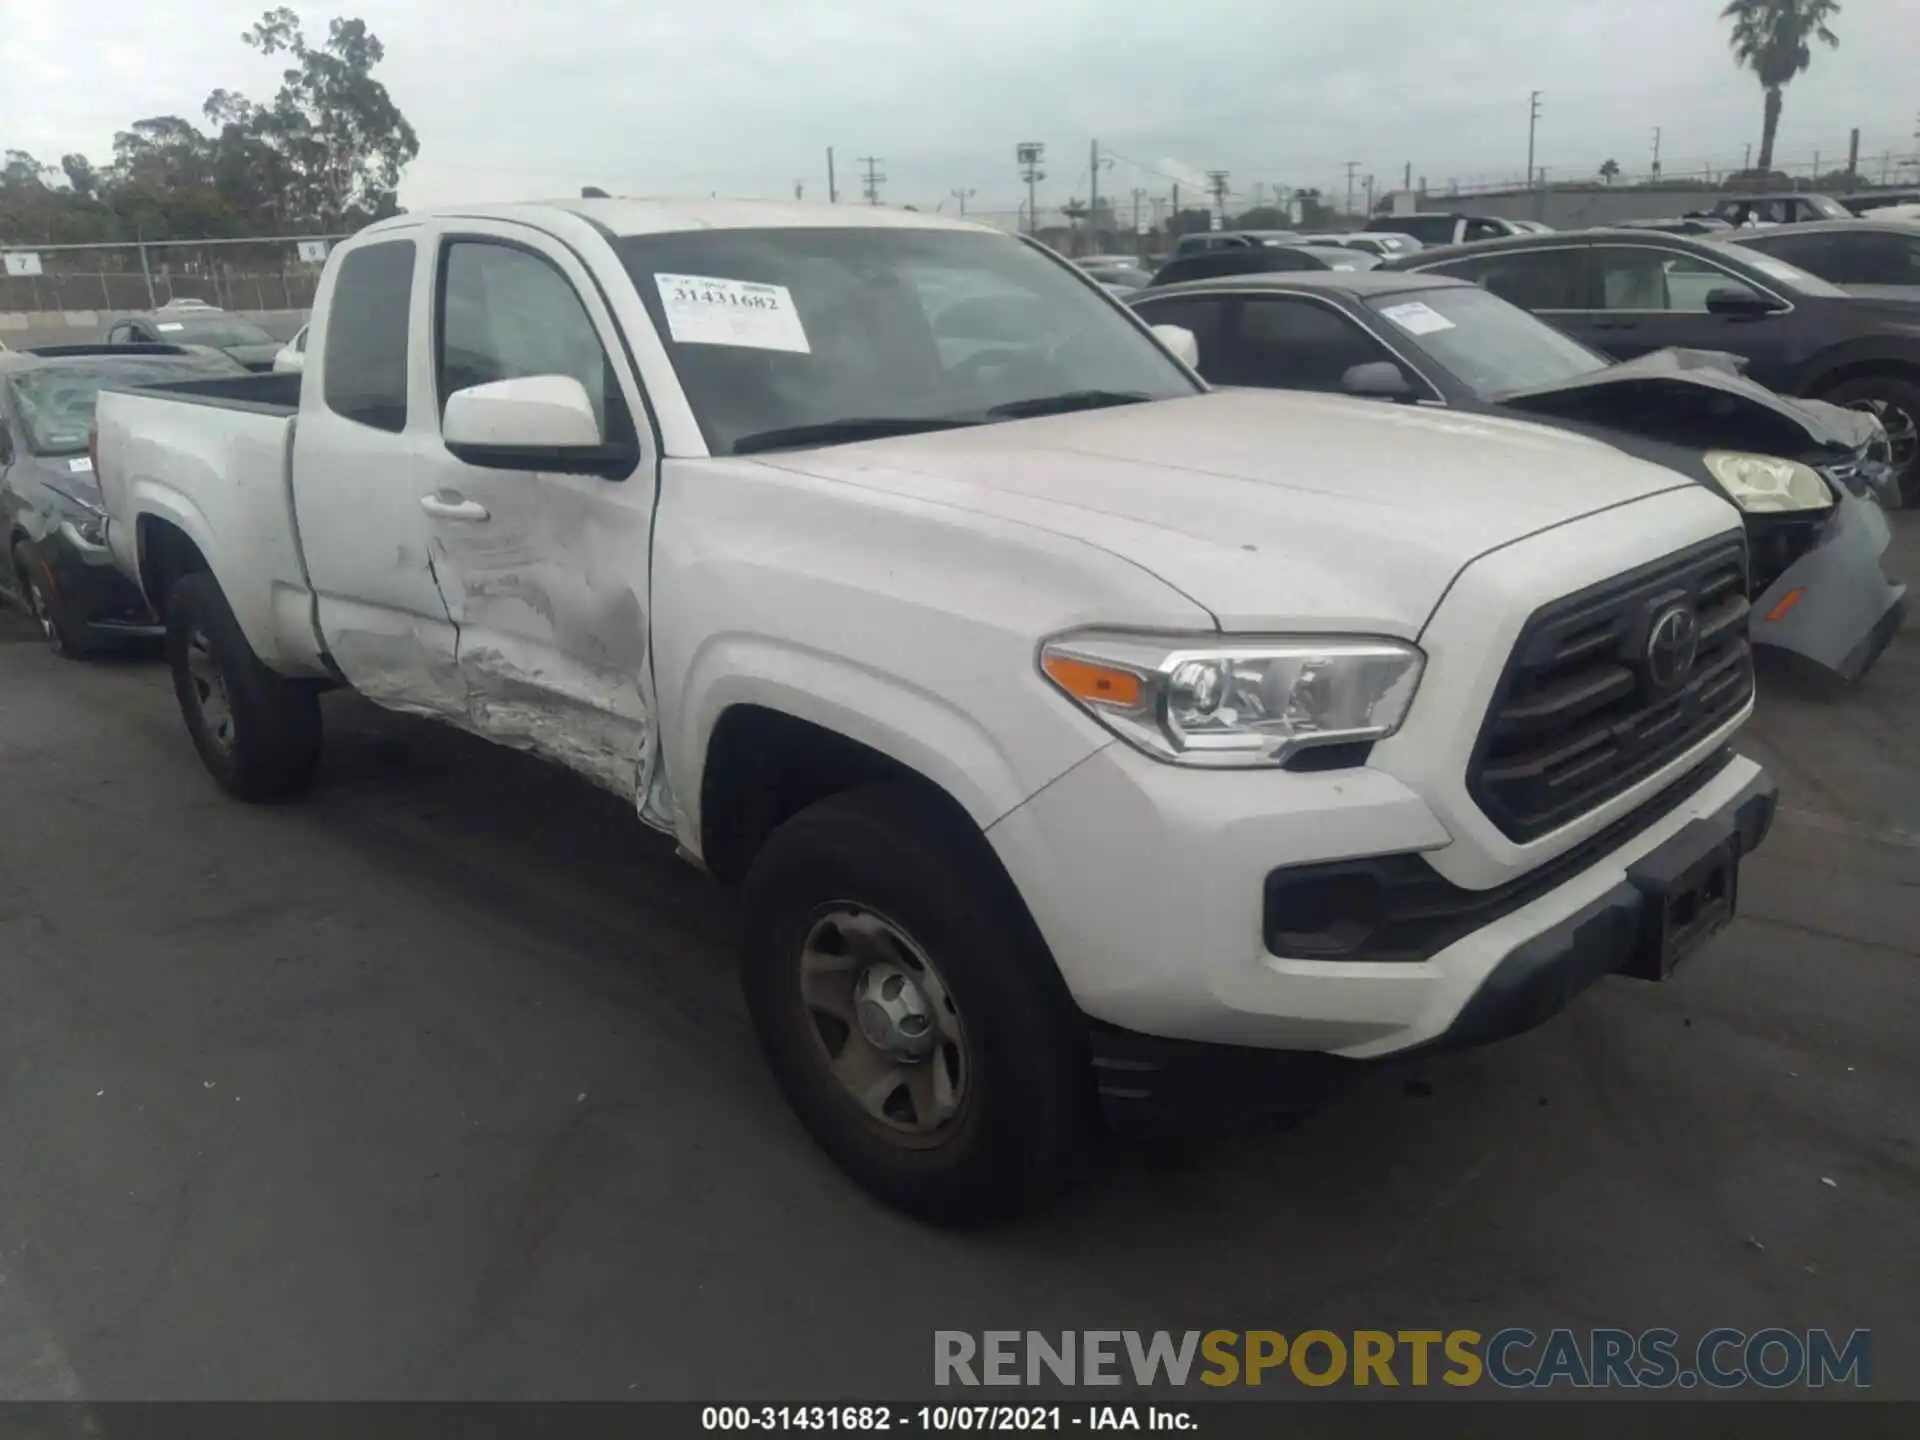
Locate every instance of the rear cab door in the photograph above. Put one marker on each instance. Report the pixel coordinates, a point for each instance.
(544, 571)
(365, 433)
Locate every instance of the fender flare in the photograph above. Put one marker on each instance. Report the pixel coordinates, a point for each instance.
(921, 730)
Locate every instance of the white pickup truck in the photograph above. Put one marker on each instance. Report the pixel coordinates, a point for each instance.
(1085, 741)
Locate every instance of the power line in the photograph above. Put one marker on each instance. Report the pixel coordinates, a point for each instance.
(874, 178)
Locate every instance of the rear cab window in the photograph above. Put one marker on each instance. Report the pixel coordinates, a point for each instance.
(367, 335)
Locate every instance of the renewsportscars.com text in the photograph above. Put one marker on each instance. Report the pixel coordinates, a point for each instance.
(1512, 1358)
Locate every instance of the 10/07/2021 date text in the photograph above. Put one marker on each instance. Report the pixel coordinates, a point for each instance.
(945, 1419)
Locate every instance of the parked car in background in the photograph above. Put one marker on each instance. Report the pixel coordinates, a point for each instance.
(1877, 202)
(1200, 242)
(1905, 214)
(1446, 227)
(945, 654)
(1255, 260)
(292, 357)
(1864, 257)
(194, 322)
(1533, 227)
(1386, 244)
(1117, 275)
(55, 564)
(1628, 292)
(1678, 225)
(1794, 209)
(1800, 471)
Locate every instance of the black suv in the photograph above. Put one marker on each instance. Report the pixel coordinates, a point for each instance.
(1868, 257)
(1631, 292)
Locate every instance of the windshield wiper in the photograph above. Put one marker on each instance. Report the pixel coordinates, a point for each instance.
(1065, 404)
(846, 431)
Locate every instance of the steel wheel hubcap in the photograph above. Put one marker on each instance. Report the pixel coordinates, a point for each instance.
(209, 691)
(886, 1025)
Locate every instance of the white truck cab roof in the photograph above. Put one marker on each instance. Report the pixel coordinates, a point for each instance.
(670, 215)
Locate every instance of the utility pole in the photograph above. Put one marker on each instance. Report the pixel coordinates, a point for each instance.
(875, 178)
(1028, 153)
(1406, 182)
(1533, 123)
(1352, 165)
(1369, 197)
(963, 196)
(1747, 164)
(1138, 196)
(1217, 183)
(1093, 193)
(833, 190)
(1656, 152)
(1853, 156)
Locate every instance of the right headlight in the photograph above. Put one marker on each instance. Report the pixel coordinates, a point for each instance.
(1766, 484)
(1235, 701)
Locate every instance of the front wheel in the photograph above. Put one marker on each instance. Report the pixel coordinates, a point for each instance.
(912, 1020)
(258, 733)
(1895, 401)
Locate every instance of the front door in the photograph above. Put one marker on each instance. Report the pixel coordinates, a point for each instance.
(1647, 298)
(544, 572)
(357, 459)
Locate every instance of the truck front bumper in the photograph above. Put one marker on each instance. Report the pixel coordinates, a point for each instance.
(1284, 912)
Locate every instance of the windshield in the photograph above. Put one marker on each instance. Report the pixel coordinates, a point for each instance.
(55, 402)
(218, 330)
(1491, 346)
(1791, 277)
(778, 333)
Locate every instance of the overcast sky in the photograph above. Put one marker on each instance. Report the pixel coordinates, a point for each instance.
(514, 99)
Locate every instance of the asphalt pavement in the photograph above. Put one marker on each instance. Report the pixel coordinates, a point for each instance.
(437, 1084)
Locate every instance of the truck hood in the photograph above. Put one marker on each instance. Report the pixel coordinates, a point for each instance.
(1699, 398)
(1269, 509)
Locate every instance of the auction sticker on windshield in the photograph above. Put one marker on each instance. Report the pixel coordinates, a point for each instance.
(1417, 318)
(706, 310)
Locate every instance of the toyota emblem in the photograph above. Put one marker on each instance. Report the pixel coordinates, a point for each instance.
(1672, 646)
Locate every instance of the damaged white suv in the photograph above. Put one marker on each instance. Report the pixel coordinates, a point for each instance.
(1080, 736)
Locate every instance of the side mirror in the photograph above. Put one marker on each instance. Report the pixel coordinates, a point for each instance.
(1377, 380)
(1181, 342)
(536, 422)
(1741, 304)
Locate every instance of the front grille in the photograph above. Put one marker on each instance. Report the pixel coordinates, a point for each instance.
(1579, 716)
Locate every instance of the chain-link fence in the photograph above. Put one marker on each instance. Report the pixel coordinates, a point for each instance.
(246, 274)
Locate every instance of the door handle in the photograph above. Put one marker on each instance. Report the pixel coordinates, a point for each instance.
(446, 505)
(1613, 324)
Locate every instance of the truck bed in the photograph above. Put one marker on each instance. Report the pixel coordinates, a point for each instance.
(212, 459)
(264, 394)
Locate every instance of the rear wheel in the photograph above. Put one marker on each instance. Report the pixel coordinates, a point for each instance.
(41, 599)
(1895, 400)
(258, 733)
(912, 1020)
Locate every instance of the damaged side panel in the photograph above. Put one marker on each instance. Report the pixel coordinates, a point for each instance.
(547, 599)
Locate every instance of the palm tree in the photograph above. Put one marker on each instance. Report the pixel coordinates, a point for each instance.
(1774, 39)
(1609, 170)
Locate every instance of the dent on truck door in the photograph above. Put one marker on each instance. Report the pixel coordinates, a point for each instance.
(544, 573)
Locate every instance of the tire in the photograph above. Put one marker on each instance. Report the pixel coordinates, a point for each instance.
(874, 867)
(257, 733)
(1896, 400)
(40, 598)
